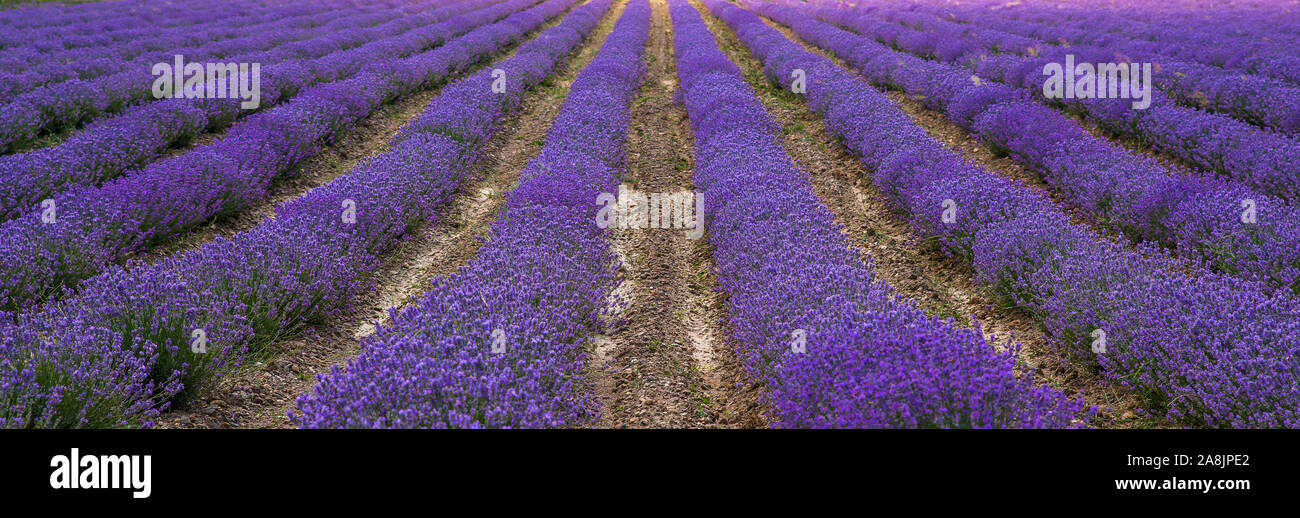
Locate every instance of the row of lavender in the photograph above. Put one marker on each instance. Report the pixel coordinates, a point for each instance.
(1168, 21)
(83, 230)
(1168, 24)
(205, 26)
(1201, 350)
(25, 68)
(1257, 100)
(1259, 45)
(1216, 143)
(501, 343)
(1220, 225)
(115, 145)
(867, 358)
(53, 26)
(1262, 99)
(65, 106)
(1263, 160)
(135, 340)
(290, 65)
(142, 31)
(1184, 45)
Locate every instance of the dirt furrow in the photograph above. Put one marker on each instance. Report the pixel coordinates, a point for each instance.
(260, 394)
(943, 286)
(667, 364)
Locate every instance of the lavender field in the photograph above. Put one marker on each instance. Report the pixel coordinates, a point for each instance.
(650, 214)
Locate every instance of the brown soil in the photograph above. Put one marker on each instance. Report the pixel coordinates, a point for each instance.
(261, 393)
(943, 286)
(668, 364)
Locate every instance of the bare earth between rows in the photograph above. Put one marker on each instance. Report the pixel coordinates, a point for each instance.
(667, 364)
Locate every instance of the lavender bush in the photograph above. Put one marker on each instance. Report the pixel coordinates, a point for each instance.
(1208, 350)
(121, 351)
(97, 227)
(1239, 40)
(98, 82)
(1261, 101)
(1202, 219)
(52, 28)
(114, 146)
(537, 287)
(1263, 160)
(870, 359)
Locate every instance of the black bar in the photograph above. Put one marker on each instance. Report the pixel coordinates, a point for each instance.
(327, 468)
